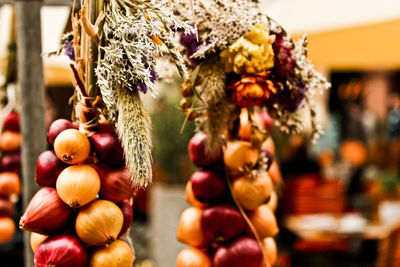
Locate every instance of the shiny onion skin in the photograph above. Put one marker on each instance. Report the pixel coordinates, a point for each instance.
(99, 223)
(7, 229)
(108, 149)
(116, 184)
(198, 154)
(57, 127)
(46, 214)
(189, 228)
(241, 252)
(127, 211)
(61, 251)
(118, 254)
(36, 239)
(77, 185)
(203, 180)
(48, 167)
(193, 257)
(72, 146)
(222, 222)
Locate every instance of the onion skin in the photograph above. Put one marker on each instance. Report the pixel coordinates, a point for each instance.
(118, 254)
(222, 222)
(252, 190)
(241, 252)
(11, 122)
(193, 257)
(61, 251)
(240, 155)
(275, 174)
(189, 228)
(108, 149)
(77, 185)
(271, 251)
(127, 211)
(198, 153)
(9, 184)
(10, 162)
(46, 214)
(48, 167)
(7, 208)
(7, 229)
(264, 221)
(99, 223)
(203, 181)
(36, 239)
(191, 199)
(116, 185)
(273, 201)
(10, 141)
(57, 127)
(72, 146)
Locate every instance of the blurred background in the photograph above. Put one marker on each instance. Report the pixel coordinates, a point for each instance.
(340, 201)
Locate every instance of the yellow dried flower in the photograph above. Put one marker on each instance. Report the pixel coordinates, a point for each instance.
(251, 53)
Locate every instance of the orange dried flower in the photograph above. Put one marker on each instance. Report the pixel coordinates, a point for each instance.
(252, 90)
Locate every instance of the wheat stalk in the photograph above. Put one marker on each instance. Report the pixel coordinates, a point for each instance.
(134, 130)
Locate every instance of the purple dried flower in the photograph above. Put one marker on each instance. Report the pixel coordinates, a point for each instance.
(142, 87)
(69, 51)
(283, 61)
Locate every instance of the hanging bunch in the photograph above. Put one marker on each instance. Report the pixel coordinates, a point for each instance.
(10, 184)
(247, 74)
(134, 35)
(82, 214)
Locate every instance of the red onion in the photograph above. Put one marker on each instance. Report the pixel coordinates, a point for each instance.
(242, 252)
(11, 122)
(61, 251)
(198, 154)
(46, 213)
(6, 208)
(127, 211)
(10, 162)
(48, 167)
(108, 149)
(222, 222)
(57, 127)
(115, 184)
(105, 128)
(208, 186)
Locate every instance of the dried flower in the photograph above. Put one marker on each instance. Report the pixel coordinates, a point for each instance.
(252, 53)
(252, 90)
(69, 50)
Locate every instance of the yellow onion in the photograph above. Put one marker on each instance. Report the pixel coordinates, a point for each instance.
(239, 156)
(191, 199)
(7, 229)
(264, 221)
(10, 141)
(252, 190)
(9, 184)
(72, 146)
(189, 228)
(37, 239)
(99, 223)
(270, 249)
(118, 254)
(77, 185)
(193, 257)
(273, 201)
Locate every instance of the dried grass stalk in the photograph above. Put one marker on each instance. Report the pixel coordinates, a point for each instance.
(134, 130)
(215, 117)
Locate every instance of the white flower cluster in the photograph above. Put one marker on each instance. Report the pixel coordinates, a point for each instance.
(220, 22)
